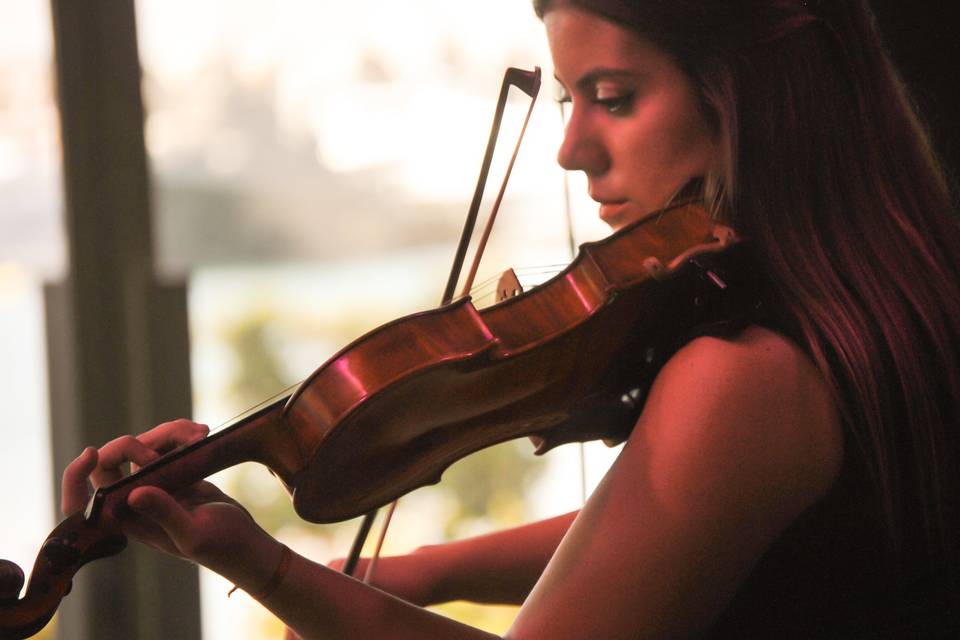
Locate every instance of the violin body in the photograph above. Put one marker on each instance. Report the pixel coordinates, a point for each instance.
(568, 361)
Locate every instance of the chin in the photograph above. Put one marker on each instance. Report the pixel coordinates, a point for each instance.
(617, 216)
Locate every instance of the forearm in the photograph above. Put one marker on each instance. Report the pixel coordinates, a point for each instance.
(317, 602)
(497, 568)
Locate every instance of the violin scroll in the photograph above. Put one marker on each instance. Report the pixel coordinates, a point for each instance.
(11, 581)
(72, 544)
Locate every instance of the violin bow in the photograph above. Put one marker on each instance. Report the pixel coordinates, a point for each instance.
(529, 83)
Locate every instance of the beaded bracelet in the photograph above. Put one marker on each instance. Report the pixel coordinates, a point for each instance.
(282, 567)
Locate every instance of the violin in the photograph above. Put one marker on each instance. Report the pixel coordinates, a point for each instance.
(567, 361)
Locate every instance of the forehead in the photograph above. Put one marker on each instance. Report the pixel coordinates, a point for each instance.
(581, 41)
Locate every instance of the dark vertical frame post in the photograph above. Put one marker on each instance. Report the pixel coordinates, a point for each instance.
(117, 340)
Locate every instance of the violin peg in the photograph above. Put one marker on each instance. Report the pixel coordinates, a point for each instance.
(11, 581)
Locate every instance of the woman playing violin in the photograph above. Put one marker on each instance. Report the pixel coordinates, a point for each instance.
(796, 476)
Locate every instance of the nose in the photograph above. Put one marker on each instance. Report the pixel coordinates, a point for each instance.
(582, 148)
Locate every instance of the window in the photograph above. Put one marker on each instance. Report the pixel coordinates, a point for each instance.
(31, 252)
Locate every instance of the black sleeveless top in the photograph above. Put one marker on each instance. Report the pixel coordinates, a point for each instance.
(829, 576)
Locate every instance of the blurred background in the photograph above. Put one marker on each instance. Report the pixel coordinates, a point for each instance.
(310, 165)
(298, 175)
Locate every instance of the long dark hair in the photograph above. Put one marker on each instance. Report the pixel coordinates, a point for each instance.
(830, 174)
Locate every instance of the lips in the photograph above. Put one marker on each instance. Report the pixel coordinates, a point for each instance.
(615, 212)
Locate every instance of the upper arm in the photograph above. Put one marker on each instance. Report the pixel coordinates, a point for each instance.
(736, 439)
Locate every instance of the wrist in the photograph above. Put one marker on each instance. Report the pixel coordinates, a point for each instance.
(283, 566)
(258, 566)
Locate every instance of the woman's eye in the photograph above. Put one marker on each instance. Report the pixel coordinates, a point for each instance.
(615, 104)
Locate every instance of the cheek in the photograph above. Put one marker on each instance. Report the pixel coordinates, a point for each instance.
(686, 137)
(696, 140)
(670, 145)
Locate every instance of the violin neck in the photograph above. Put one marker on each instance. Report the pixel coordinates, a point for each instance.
(259, 435)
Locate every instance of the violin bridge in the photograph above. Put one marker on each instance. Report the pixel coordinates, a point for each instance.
(508, 286)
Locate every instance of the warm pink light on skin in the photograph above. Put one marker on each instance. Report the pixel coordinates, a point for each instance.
(635, 128)
(620, 214)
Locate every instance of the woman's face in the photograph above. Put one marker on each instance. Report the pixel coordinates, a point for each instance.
(635, 129)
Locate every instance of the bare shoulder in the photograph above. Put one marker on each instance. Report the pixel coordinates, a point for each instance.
(756, 400)
(736, 439)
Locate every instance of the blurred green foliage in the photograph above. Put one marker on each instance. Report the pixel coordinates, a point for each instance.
(488, 488)
(259, 374)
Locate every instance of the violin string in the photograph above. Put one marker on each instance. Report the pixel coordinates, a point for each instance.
(484, 289)
(484, 294)
(530, 277)
(542, 268)
(489, 282)
(485, 300)
(542, 274)
(537, 269)
(478, 290)
(255, 408)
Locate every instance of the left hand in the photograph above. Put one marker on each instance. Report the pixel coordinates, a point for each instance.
(199, 523)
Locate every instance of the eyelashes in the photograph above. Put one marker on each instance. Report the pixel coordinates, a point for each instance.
(611, 101)
(618, 105)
